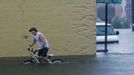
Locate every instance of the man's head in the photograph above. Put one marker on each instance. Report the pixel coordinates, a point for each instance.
(33, 30)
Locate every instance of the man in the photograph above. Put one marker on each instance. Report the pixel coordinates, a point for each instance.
(41, 40)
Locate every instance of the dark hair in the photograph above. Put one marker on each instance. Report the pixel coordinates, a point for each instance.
(33, 29)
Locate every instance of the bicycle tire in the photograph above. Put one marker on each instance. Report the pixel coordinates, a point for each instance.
(28, 62)
(57, 61)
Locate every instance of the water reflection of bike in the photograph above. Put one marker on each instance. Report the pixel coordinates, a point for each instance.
(35, 59)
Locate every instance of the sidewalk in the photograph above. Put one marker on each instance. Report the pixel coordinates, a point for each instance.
(102, 64)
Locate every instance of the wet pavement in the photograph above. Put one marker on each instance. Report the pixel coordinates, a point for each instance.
(125, 45)
(101, 64)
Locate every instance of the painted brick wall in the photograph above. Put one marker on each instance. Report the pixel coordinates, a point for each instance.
(68, 24)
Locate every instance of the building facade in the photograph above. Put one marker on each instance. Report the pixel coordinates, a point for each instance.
(68, 24)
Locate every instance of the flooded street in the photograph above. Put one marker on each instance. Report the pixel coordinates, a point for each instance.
(125, 45)
(107, 64)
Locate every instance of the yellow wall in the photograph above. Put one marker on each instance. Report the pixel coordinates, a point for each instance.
(68, 24)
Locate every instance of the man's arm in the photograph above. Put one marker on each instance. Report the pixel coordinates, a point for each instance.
(34, 41)
(43, 39)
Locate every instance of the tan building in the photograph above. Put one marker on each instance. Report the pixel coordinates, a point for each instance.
(68, 24)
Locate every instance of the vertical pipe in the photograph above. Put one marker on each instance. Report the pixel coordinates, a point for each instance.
(106, 21)
(133, 15)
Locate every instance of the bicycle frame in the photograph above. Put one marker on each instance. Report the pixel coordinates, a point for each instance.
(36, 59)
(34, 55)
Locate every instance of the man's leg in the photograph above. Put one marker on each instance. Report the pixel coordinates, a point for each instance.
(43, 53)
(48, 60)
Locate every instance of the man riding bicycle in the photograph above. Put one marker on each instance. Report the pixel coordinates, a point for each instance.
(42, 41)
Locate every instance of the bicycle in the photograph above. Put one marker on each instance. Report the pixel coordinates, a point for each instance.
(35, 59)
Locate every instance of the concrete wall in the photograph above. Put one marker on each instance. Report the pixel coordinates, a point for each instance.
(68, 24)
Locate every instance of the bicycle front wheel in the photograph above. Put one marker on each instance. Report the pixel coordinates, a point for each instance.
(28, 62)
(57, 61)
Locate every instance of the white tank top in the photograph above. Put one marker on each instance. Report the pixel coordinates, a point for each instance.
(39, 42)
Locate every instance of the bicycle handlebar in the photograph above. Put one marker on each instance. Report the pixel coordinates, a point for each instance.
(32, 50)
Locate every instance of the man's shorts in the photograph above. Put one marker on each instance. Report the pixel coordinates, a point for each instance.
(43, 52)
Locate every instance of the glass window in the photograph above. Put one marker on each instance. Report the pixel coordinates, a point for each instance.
(100, 30)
